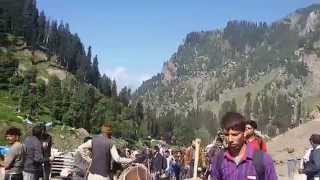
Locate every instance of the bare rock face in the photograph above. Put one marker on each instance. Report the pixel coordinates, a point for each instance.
(313, 63)
(313, 22)
(169, 71)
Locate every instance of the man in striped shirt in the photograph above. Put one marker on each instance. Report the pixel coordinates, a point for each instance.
(240, 161)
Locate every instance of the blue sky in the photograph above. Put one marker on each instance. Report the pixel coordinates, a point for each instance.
(133, 38)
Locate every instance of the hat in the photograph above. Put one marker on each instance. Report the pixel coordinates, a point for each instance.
(106, 128)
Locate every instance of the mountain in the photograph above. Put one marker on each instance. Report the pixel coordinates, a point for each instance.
(269, 72)
(46, 75)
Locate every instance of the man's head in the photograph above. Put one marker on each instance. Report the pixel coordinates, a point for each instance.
(156, 148)
(38, 131)
(233, 125)
(166, 154)
(87, 139)
(251, 126)
(106, 129)
(193, 144)
(315, 140)
(13, 135)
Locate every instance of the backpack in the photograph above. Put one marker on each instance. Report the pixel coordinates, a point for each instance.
(257, 161)
(260, 141)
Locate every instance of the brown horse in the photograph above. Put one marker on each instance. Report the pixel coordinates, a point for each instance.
(135, 172)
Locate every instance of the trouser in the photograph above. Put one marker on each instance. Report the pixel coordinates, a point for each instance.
(155, 176)
(190, 170)
(97, 177)
(31, 176)
(177, 175)
(46, 169)
(13, 177)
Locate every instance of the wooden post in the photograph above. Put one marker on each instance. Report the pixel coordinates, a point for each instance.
(196, 158)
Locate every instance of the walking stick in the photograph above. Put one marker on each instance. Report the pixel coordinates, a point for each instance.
(196, 160)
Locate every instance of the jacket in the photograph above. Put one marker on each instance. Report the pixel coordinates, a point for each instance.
(33, 155)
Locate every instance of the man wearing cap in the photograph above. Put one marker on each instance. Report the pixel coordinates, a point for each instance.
(102, 152)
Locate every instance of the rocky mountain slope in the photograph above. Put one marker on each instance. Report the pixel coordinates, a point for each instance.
(267, 71)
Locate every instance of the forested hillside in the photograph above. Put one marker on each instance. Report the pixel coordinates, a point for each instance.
(46, 75)
(269, 72)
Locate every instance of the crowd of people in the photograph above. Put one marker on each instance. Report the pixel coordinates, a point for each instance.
(237, 153)
(27, 159)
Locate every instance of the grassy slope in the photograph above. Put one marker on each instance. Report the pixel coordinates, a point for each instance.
(240, 93)
(64, 137)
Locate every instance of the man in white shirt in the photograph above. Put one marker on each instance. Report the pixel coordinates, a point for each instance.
(103, 151)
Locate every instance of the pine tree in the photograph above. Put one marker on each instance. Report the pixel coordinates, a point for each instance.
(42, 23)
(89, 53)
(248, 106)
(139, 114)
(114, 92)
(233, 105)
(95, 72)
(124, 96)
(256, 107)
(30, 14)
(55, 97)
(104, 85)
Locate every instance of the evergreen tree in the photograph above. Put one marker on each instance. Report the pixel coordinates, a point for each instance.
(124, 96)
(226, 106)
(55, 97)
(30, 14)
(233, 105)
(256, 107)
(89, 54)
(95, 71)
(104, 85)
(139, 114)
(248, 106)
(114, 92)
(283, 113)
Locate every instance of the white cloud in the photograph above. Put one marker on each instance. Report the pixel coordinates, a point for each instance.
(124, 78)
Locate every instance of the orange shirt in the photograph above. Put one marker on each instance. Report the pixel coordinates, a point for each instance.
(257, 143)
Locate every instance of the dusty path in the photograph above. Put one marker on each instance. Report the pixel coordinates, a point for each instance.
(296, 140)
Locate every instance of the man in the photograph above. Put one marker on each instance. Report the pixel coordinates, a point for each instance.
(33, 155)
(46, 141)
(240, 161)
(13, 161)
(189, 159)
(169, 160)
(252, 138)
(176, 165)
(159, 164)
(312, 167)
(102, 151)
(81, 165)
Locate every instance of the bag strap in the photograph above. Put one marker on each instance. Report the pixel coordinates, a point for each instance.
(258, 164)
(220, 157)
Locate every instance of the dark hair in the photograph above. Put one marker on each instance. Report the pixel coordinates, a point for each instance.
(252, 124)
(13, 131)
(37, 131)
(87, 139)
(156, 148)
(315, 138)
(233, 120)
